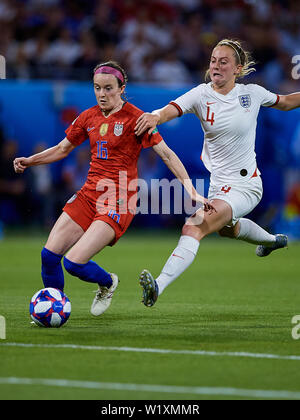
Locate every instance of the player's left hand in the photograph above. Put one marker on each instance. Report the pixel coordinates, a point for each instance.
(146, 121)
(209, 207)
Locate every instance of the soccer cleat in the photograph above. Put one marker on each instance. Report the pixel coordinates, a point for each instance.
(264, 251)
(104, 296)
(150, 288)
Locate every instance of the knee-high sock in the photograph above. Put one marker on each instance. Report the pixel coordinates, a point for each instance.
(52, 272)
(181, 258)
(90, 272)
(254, 234)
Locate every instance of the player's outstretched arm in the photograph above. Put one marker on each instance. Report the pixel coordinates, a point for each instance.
(53, 154)
(288, 102)
(176, 166)
(148, 121)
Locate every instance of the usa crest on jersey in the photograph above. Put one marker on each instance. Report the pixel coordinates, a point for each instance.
(245, 101)
(118, 129)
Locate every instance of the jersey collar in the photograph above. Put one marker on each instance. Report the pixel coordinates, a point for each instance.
(230, 95)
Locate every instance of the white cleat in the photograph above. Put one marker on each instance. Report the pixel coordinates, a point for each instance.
(104, 296)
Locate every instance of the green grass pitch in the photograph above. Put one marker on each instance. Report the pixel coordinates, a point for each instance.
(229, 301)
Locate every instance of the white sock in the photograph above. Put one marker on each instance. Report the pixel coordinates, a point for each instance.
(254, 234)
(181, 258)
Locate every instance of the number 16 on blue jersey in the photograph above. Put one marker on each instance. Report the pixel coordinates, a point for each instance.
(102, 152)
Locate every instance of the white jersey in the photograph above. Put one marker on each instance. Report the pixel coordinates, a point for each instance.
(229, 125)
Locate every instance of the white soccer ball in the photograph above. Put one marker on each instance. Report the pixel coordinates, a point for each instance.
(50, 308)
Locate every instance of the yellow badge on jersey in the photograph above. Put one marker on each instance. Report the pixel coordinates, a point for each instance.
(103, 129)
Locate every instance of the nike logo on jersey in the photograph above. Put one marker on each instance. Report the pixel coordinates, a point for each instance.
(210, 103)
(90, 129)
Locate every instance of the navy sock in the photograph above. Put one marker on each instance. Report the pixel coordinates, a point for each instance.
(52, 272)
(90, 272)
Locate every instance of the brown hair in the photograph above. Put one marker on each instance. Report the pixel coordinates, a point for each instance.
(242, 57)
(116, 66)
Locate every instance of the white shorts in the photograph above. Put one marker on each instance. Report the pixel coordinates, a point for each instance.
(242, 197)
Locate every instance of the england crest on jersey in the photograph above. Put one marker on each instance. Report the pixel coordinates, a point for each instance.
(245, 101)
(118, 129)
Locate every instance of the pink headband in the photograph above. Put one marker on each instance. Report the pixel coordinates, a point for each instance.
(110, 70)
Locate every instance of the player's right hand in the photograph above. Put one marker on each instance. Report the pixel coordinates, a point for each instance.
(20, 164)
(208, 206)
(146, 121)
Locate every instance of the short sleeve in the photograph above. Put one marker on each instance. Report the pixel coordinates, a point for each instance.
(150, 140)
(76, 132)
(187, 103)
(265, 97)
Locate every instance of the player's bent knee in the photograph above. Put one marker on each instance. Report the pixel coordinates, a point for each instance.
(226, 232)
(230, 232)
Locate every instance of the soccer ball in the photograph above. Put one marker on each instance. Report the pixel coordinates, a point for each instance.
(50, 308)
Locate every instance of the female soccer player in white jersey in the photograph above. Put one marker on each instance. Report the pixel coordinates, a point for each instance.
(228, 114)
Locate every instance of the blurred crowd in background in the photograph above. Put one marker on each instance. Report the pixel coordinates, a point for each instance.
(157, 41)
(162, 42)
